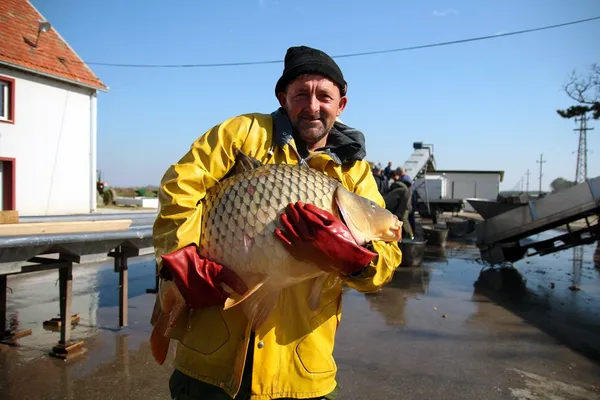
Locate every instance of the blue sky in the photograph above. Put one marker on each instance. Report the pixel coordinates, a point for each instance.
(484, 105)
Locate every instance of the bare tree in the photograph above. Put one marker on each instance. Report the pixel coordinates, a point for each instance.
(585, 90)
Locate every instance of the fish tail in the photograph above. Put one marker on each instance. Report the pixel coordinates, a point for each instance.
(164, 321)
(159, 343)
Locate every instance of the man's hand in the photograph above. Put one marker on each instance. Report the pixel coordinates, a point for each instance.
(198, 279)
(315, 234)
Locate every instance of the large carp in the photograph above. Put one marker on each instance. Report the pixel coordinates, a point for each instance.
(239, 217)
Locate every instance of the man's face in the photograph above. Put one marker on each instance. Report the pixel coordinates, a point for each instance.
(312, 103)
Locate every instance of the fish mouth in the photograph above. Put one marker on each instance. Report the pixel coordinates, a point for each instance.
(371, 221)
(396, 228)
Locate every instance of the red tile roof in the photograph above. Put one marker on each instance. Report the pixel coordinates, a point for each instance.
(52, 56)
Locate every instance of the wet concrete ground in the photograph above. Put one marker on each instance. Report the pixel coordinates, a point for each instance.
(429, 334)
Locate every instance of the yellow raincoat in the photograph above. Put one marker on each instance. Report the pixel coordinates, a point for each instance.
(293, 349)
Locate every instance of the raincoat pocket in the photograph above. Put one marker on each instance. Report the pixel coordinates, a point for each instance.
(207, 331)
(315, 350)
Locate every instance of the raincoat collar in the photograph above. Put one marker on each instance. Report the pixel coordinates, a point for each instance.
(344, 144)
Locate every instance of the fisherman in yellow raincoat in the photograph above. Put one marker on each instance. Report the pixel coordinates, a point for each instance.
(218, 356)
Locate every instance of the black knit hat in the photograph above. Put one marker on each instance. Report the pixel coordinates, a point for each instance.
(302, 60)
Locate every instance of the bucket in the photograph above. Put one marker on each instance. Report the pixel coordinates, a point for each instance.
(412, 252)
(460, 227)
(435, 236)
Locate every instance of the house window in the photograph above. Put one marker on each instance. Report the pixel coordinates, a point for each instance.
(7, 99)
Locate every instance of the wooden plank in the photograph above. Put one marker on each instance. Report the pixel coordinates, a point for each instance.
(42, 228)
(9, 217)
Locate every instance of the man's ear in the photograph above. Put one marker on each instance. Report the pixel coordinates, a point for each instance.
(281, 98)
(342, 106)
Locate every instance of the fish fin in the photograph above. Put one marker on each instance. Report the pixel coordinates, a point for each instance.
(314, 299)
(259, 308)
(243, 162)
(234, 299)
(159, 343)
(156, 311)
(256, 304)
(163, 320)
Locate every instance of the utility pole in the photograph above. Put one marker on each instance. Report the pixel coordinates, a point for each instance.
(581, 168)
(527, 184)
(541, 161)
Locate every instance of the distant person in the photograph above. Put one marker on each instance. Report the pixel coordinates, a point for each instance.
(406, 179)
(381, 180)
(387, 172)
(398, 201)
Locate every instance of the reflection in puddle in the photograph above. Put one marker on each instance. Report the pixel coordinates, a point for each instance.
(450, 311)
(390, 302)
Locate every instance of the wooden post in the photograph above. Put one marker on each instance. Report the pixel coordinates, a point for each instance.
(123, 289)
(120, 254)
(65, 282)
(66, 348)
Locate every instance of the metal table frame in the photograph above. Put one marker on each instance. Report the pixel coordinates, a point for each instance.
(23, 254)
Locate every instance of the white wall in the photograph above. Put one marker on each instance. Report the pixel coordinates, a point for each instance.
(466, 185)
(436, 187)
(50, 141)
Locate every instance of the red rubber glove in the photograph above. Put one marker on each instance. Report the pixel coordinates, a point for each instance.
(198, 279)
(315, 234)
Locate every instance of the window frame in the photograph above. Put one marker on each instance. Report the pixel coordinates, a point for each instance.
(9, 183)
(9, 99)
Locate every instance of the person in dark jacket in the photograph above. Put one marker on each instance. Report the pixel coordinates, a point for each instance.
(398, 201)
(387, 172)
(404, 178)
(380, 179)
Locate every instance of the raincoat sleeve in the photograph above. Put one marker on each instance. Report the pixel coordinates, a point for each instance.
(185, 183)
(381, 269)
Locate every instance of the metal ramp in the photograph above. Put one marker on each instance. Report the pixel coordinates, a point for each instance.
(420, 160)
(504, 237)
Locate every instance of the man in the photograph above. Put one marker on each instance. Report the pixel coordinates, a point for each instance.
(398, 200)
(413, 198)
(380, 179)
(387, 172)
(218, 356)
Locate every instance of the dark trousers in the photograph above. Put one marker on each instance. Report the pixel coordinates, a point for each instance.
(411, 220)
(184, 387)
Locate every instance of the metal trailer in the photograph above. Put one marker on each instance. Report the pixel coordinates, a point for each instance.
(505, 237)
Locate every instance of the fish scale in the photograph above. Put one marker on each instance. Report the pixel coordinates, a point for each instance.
(241, 213)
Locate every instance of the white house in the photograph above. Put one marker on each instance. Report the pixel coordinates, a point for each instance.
(47, 118)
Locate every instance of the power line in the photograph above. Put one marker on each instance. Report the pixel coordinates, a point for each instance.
(367, 53)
